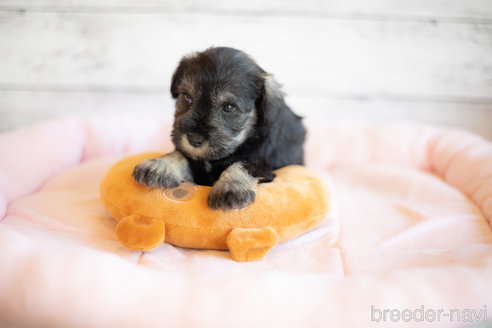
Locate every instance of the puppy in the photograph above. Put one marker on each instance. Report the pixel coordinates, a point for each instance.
(231, 129)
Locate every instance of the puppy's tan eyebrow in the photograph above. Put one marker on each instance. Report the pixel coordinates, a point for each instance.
(186, 87)
(225, 96)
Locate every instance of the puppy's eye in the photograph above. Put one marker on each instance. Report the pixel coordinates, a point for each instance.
(228, 108)
(187, 98)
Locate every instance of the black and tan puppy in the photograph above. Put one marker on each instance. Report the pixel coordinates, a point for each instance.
(231, 129)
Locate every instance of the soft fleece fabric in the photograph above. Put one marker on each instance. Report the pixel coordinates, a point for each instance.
(411, 219)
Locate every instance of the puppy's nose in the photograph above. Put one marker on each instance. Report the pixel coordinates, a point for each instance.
(195, 139)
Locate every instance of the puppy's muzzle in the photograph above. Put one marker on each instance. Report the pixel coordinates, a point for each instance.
(195, 139)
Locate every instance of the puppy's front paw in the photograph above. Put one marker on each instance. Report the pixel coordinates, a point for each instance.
(230, 197)
(167, 171)
(235, 189)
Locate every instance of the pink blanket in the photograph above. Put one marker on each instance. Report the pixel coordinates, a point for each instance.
(408, 241)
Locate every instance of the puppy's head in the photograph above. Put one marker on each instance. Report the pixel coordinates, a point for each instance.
(221, 94)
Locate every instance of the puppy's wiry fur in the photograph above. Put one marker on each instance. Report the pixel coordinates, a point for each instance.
(166, 171)
(231, 129)
(234, 188)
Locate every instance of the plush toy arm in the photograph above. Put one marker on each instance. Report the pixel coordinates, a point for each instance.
(251, 244)
(140, 233)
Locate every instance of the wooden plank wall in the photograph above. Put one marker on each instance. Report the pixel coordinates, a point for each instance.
(379, 60)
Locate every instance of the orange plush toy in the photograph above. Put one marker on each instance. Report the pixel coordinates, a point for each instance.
(296, 201)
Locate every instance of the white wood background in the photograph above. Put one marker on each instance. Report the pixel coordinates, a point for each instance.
(378, 60)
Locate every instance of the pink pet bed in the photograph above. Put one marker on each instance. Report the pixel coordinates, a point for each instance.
(410, 233)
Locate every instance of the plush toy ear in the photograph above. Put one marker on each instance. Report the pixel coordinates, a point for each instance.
(178, 76)
(251, 244)
(141, 233)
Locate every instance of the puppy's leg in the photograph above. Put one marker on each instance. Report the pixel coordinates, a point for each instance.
(169, 170)
(235, 189)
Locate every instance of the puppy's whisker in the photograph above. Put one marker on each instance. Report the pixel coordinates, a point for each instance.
(246, 131)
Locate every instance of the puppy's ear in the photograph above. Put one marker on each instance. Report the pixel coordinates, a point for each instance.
(271, 99)
(178, 76)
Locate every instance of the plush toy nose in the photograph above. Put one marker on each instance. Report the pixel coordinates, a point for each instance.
(195, 139)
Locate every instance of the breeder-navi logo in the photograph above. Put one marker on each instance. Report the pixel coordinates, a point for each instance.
(429, 315)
